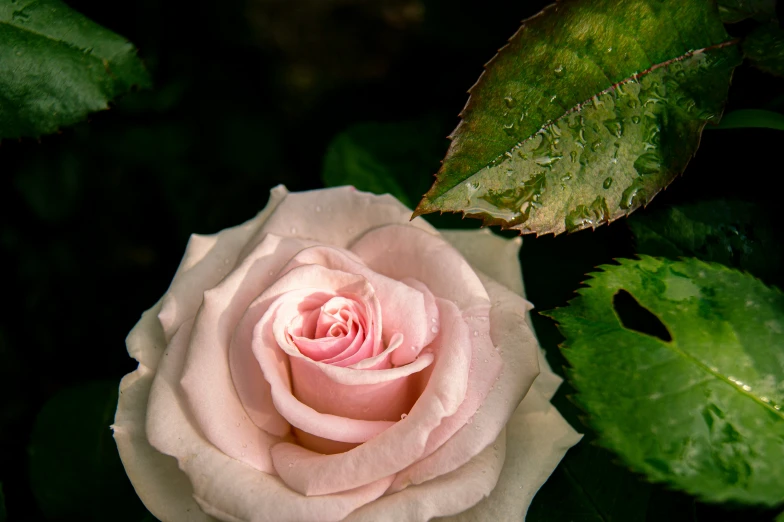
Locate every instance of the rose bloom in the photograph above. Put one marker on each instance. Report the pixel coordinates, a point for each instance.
(331, 360)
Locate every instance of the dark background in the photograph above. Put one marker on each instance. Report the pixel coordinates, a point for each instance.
(248, 94)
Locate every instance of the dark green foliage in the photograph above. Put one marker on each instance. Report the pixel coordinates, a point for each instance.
(394, 158)
(703, 412)
(75, 471)
(764, 47)
(56, 67)
(736, 234)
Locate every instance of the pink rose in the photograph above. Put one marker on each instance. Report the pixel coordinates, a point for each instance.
(330, 360)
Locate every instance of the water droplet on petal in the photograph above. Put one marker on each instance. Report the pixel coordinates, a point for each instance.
(293, 230)
(244, 445)
(318, 208)
(434, 329)
(476, 333)
(291, 464)
(403, 416)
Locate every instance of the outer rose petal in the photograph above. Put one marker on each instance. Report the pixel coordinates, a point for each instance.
(165, 490)
(337, 216)
(207, 260)
(444, 495)
(499, 258)
(518, 349)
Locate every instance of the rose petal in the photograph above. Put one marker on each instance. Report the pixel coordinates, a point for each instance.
(275, 353)
(518, 349)
(207, 260)
(537, 439)
(165, 490)
(223, 486)
(491, 254)
(400, 252)
(336, 216)
(211, 393)
(403, 443)
(445, 495)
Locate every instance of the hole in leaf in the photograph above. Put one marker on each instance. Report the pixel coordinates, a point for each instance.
(636, 317)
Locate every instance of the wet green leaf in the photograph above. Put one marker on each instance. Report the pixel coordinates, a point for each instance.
(701, 412)
(592, 108)
(764, 47)
(75, 471)
(751, 118)
(386, 158)
(736, 10)
(56, 67)
(736, 234)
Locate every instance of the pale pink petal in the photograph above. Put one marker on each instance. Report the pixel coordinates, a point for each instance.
(445, 495)
(403, 443)
(491, 254)
(225, 487)
(165, 490)
(207, 381)
(400, 252)
(537, 439)
(337, 216)
(518, 349)
(207, 260)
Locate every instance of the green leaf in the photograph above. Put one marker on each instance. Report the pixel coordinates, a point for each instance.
(590, 110)
(736, 234)
(75, 470)
(780, 518)
(702, 411)
(385, 158)
(732, 11)
(751, 118)
(764, 47)
(56, 67)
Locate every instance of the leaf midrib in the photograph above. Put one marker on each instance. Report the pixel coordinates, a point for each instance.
(577, 107)
(673, 345)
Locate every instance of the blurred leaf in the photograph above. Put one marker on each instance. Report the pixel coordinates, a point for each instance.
(751, 118)
(764, 47)
(56, 67)
(75, 470)
(736, 234)
(736, 10)
(700, 408)
(592, 109)
(780, 518)
(396, 158)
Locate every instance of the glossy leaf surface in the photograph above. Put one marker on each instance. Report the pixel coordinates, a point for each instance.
(56, 67)
(589, 111)
(702, 412)
(765, 48)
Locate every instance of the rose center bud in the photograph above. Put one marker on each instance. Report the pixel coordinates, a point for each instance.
(333, 333)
